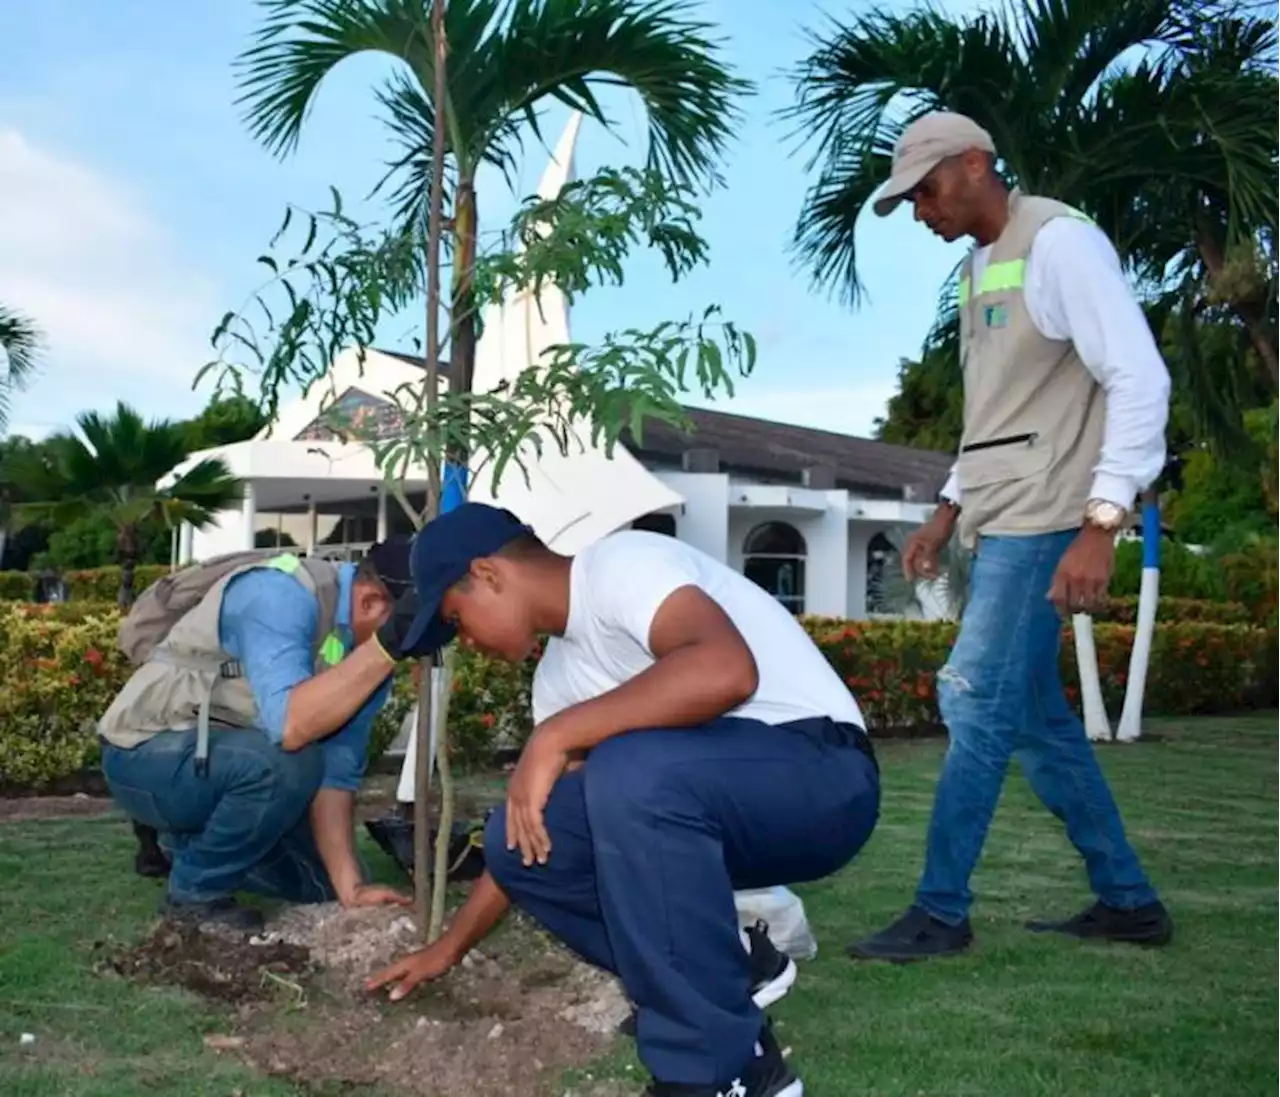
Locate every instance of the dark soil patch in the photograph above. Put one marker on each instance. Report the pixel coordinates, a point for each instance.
(224, 967)
(508, 1021)
(89, 781)
(24, 809)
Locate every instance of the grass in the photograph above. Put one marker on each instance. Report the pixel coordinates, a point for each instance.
(1021, 1016)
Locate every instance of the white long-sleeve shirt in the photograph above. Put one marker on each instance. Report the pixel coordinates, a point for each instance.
(1075, 290)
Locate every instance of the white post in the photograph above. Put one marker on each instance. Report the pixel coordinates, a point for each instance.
(382, 512)
(249, 514)
(186, 543)
(406, 790)
(311, 527)
(1130, 728)
(1097, 724)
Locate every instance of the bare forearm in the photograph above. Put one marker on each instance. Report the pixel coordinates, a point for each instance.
(476, 918)
(324, 703)
(332, 820)
(691, 686)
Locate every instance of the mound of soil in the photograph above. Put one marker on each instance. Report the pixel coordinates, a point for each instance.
(509, 1020)
(220, 966)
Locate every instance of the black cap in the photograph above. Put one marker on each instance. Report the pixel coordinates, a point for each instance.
(392, 560)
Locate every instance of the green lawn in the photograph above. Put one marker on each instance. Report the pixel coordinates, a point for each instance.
(1022, 1016)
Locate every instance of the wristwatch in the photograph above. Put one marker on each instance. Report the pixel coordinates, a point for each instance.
(1105, 515)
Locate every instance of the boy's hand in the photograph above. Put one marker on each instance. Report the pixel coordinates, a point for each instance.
(418, 967)
(541, 764)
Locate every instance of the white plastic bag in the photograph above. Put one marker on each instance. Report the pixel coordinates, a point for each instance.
(781, 909)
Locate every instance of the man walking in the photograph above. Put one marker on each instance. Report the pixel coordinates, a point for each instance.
(1065, 404)
(242, 736)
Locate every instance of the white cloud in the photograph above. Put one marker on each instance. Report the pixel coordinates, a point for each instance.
(122, 312)
(847, 409)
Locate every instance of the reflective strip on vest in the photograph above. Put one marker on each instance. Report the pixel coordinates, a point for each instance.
(286, 562)
(333, 650)
(1009, 275)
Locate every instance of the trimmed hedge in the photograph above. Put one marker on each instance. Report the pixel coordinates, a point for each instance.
(59, 669)
(1124, 611)
(87, 584)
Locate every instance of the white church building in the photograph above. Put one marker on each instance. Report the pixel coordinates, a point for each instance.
(802, 512)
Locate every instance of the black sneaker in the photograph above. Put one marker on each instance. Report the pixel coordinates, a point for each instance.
(917, 935)
(150, 860)
(767, 1075)
(773, 972)
(226, 913)
(1150, 925)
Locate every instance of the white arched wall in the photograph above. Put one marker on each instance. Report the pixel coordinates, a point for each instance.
(826, 538)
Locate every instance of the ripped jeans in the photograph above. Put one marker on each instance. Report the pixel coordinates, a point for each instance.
(1001, 696)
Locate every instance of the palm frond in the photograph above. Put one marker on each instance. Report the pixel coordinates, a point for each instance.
(206, 487)
(21, 343)
(507, 59)
(112, 466)
(944, 596)
(1071, 113)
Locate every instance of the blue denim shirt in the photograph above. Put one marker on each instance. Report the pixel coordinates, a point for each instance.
(268, 623)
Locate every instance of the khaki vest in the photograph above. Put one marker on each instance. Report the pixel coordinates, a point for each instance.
(189, 681)
(1033, 413)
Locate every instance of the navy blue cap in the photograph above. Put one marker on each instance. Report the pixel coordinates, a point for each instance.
(442, 553)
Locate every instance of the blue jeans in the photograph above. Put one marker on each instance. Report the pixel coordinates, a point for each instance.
(1001, 696)
(651, 837)
(243, 826)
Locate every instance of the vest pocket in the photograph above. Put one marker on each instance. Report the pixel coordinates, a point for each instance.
(1002, 460)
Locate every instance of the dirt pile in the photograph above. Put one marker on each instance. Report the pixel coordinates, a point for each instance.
(507, 1021)
(220, 966)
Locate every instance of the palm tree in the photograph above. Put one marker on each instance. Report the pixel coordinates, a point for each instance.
(111, 469)
(506, 58)
(20, 345)
(1156, 117)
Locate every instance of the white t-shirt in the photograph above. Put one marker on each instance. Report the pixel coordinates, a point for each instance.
(616, 589)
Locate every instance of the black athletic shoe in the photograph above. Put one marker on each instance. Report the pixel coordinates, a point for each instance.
(773, 972)
(917, 935)
(1146, 925)
(226, 913)
(150, 860)
(767, 1075)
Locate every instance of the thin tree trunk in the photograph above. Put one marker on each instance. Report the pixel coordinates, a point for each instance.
(462, 357)
(426, 690)
(127, 543)
(440, 884)
(462, 354)
(1261, 337)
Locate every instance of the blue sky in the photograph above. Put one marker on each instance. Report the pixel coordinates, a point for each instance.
(133, 203)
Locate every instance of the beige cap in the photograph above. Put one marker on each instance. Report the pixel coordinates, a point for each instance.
(924, 144)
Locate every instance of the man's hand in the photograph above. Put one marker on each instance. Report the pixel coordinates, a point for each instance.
(391, 634)
(540, 766)
(920, 557)
(376, 895)
(1084, 572)
(418, 967)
